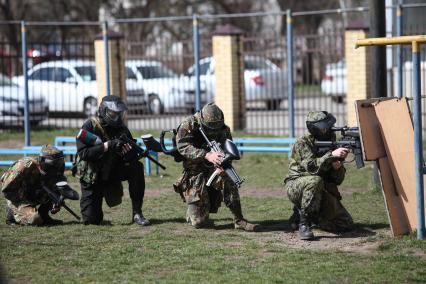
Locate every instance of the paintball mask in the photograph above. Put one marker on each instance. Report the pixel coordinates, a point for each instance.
(111, 110)
(52, 162)
(319, 124)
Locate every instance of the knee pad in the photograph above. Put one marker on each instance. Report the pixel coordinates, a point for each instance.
(196, 215)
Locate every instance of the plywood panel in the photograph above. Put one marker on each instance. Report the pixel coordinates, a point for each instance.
(398, 218)
(369, 129)
(398, 137)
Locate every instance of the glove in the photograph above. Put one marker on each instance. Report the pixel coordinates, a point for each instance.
(115, 145)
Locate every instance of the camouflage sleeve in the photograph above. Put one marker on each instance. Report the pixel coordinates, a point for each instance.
(185, 143)
(305, 156)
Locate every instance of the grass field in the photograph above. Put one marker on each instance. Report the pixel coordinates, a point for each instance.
(172, 251)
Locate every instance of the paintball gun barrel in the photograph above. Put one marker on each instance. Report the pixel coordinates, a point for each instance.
(61, 192)
(350, 140)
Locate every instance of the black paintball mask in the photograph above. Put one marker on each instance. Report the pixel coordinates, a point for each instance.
(52, 162)
(319, 124)
(112, 110)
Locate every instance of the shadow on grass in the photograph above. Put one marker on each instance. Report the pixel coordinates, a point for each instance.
(265, 226)
(359, 231)
(168, 220)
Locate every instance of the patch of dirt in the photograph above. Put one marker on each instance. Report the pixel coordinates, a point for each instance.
(420, 254)
(354, 242)
(12, 143)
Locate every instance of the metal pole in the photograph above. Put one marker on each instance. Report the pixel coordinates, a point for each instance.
(418, 141)
(399, 50)
(25, 73)
(196, 40)
(290, 75)
(106, 57)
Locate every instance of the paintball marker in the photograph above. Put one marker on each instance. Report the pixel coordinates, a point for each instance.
(89, 138)
(61, 192)
(231, 153)
(156, 146)
(350, 140)
(139, 151)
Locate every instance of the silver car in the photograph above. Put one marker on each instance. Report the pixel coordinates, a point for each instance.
(263, 80)
(12, 104)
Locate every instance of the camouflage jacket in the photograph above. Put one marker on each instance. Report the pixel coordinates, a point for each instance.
(306, 161)
(92, 163)
(192, 146)
(22, 182)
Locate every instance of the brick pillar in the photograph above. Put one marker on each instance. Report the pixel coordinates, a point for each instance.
(116, 65)
(229, 74)
(357, 72)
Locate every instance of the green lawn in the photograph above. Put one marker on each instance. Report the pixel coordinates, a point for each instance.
(172, 251)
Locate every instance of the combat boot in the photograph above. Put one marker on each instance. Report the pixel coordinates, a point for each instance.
(140, 220)
(243, 224)
(49, 221)
(305, 232)
(10, 219)
(294, 219)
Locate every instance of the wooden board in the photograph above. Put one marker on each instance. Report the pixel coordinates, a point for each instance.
(397, 133)
(398, 218)
(371, 138)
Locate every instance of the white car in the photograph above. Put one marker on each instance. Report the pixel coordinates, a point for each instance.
(263, 80)
(334, 81)
(166, 91)
(70, 86)
(12, 104)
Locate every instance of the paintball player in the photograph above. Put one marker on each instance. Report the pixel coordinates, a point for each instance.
(199, 164)
(313, 178)
(102, 167)
(22, 187)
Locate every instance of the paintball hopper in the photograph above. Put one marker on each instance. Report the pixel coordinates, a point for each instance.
(151, 143)
(231, 151)
(66, 191)
(88, 138)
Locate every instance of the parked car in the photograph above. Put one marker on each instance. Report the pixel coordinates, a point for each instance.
(70, 87)
(12, 104)
(166, 90)
(334, 81)
(263, 80)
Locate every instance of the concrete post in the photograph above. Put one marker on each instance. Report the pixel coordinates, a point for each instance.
(357, 72)
(229, 74)
(117, 73)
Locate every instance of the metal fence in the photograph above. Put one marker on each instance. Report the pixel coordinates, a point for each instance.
(161, 71)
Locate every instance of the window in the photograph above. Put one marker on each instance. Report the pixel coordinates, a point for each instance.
(204, 67)
(87, 73)
(130, 74)
(61, 75)
(256, 64)
(42, 74)
(155, 71)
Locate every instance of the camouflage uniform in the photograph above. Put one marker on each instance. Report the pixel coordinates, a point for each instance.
(200, 198)
(312, 183)
(22, 187)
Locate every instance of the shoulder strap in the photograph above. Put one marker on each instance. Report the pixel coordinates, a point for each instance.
(97, 125)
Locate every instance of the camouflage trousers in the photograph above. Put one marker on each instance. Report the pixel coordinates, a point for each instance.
(319, 201)
(203, 200)
(25, 214)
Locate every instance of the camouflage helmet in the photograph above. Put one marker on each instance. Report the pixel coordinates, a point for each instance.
(317, 120)
(212, 117)
(52, 160)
